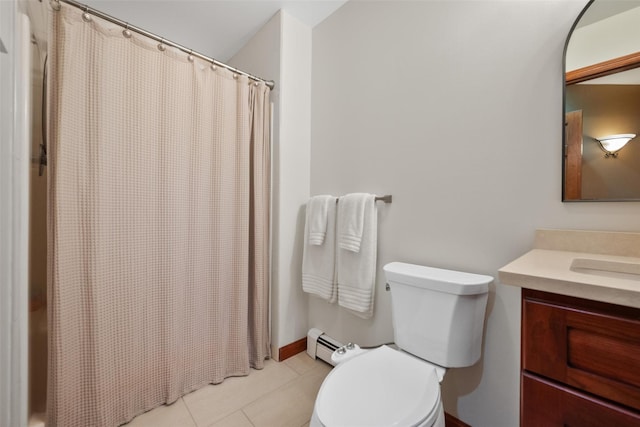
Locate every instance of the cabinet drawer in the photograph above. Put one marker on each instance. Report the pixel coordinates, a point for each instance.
(598, 352)
(546, 404)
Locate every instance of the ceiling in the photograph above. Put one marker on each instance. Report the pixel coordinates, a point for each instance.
(216, 28)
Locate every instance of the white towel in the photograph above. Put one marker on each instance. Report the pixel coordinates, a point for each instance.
(357, 270)
(351, 220)
(319, 261)
(317, 218)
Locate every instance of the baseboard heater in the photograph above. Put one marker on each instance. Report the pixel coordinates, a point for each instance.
(321, 345)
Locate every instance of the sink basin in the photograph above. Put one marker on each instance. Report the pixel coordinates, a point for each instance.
(604, 268)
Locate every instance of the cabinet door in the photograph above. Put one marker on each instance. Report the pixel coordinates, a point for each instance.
(546, 404)
(594, 352)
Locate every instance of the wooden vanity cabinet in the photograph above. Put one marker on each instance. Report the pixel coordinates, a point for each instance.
(580, 362)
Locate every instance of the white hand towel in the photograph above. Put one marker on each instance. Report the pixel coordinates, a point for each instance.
(317, 218)
(357, 270)
(351, 220)
(318, 261)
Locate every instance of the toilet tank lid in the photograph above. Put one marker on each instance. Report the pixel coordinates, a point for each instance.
(437, 279)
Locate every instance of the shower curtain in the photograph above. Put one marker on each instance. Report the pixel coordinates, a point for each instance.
(158, 223)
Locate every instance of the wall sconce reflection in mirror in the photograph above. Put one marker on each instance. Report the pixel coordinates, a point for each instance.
(611, 144)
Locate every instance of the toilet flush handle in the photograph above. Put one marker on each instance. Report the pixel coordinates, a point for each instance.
(387, 287)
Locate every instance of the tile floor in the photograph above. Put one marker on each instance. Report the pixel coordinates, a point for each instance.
(280, 395)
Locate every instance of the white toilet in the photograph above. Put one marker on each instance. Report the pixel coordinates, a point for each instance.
(438, 321)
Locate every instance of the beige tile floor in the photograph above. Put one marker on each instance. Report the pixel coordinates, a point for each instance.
(280, 395)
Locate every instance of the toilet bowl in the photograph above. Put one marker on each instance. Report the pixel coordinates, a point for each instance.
(438, 318)
(381, 387)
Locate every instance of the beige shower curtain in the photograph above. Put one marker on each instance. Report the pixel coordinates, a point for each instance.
(158, 222)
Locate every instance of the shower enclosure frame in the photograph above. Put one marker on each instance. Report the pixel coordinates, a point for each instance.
(14, 214)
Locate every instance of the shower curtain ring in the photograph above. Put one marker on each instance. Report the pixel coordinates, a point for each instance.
(190, 57)
(126, 32)
(55, 5)
(161, 46)
(85, 15)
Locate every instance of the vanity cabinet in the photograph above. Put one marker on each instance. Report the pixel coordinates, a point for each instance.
(580, 362)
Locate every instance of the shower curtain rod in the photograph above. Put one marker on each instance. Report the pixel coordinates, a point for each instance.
(55, 5)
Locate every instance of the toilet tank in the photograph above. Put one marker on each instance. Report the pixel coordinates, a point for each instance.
(438, 315)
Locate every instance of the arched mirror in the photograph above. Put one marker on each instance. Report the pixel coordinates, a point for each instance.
(601, 142)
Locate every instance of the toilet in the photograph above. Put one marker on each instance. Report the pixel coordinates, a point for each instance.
(438, 321)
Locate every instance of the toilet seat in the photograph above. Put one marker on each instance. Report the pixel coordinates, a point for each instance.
(382, 387)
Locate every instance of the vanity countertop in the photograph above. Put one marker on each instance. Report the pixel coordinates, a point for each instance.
(576, 271)
(551, 271)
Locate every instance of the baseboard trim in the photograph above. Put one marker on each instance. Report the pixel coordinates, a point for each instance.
(292, 349)
(451, 421)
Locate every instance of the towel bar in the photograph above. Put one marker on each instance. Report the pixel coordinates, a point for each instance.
(387, 198)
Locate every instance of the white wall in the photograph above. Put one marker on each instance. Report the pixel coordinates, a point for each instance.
(294, 176)
(454, 108)
(281, 50)
(609, 38)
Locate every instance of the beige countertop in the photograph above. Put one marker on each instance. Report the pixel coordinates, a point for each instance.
(593, 276)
